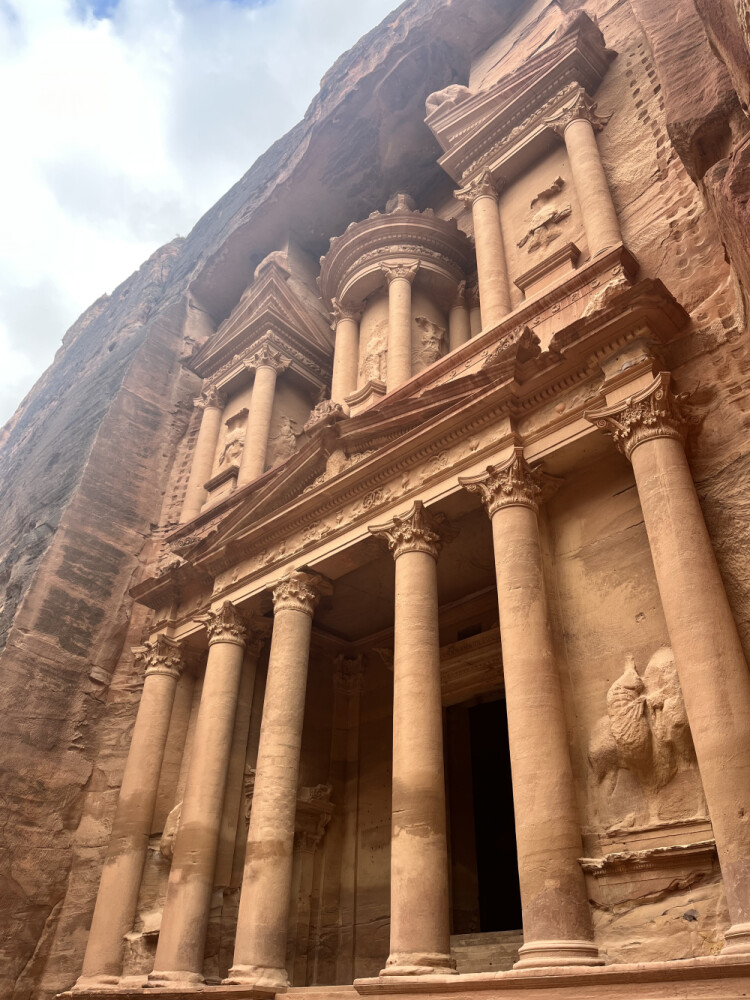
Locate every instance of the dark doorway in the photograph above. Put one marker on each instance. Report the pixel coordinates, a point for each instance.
(484, 862)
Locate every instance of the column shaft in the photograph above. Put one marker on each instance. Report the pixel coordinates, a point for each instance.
(126, 854)
(556, 918)
(203, 461)
(594, 197)
(260, 943)
(710, 662)
(420, 928)
(420, 933)
(182, 938)
(253, 461)
(459, 326)
(399, 332)
(345, 359)
(492, 270)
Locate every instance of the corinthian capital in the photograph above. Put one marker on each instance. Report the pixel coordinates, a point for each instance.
(161, 656)
(341, 311)
(582, 108)
(654, 412)
(267, 356)
(393, 271)
(484, 185)
(512, 484)
(210, 396)
(417, 531)
(224, 625)
(300, 591)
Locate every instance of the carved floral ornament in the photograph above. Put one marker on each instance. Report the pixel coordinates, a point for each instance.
(340, 312)
(300, 591)
(582, 108)
(267, 356)
(513, 484)
(224, 625)
(161, 656)
(484, 185)
(654, 412)
(210, 396)
(417, 531)
(393, 271)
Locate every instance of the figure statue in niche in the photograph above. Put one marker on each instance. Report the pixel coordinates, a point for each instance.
(646, 733)
(283, 443)
(233, 444)
(375, 362)
(431, 342)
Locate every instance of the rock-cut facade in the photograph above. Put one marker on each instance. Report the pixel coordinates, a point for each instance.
(376, 559)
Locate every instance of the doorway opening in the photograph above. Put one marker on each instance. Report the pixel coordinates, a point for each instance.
(484, 861)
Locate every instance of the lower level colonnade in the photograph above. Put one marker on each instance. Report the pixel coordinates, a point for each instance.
(649, 428)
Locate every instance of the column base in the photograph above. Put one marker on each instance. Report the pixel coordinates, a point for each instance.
(262, 976)
(737, 940)
(180, 979)
(98, 983)
(415, 963)
(557, 954)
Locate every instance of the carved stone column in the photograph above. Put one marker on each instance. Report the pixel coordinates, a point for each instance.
(649, 428)
(182, 938)
(556, 918)
(459, 325)
(346, 352)
(400, 278)
(492, 270)
(260, 944)
(577, 124)
(211, 403)
(267, 363)
(420, 933)
(128, 843)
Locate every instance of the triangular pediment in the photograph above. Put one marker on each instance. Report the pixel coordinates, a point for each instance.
(274, 302)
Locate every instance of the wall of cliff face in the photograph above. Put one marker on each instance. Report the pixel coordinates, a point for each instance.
(85, 461)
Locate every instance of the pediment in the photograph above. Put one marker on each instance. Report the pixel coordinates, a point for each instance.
(509, 115)
(269, 303)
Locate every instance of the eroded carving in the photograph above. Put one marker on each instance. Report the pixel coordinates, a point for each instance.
(299, 591)
(582, 108)
(431, 341)
(224, 625)
(160, 656)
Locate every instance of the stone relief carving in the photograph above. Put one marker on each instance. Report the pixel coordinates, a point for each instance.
(645, 733)
(233, 445)
(374, 365)
(543, 227)
(169, 834)
(282, 441)
(431, 342)
(448, 97)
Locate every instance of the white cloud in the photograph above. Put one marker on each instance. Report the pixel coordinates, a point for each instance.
(126, 120)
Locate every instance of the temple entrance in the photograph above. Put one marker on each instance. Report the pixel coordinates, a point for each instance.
(484, 864)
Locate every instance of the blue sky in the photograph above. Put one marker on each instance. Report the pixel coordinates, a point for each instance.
(129, 119)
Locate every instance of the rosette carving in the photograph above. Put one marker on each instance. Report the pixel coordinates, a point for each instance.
(161, 656)
(581, 109)
(224, 625)
(299, 591)
(513, 484)
(654, 412)
(417, 531)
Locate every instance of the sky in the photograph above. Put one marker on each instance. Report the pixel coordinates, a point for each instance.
(124, 121)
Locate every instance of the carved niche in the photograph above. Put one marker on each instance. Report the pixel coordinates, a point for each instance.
(641, 751)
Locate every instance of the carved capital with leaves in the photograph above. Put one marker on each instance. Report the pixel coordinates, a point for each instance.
(210, 396)
(654, 412)
(300, 591)
(341, 311)
(224, 625)
(582, 108)
(161, 656)
(513, 484)
(406, 271)
(417, 531)
(267, 356)
(484, 185)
